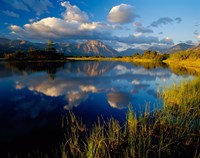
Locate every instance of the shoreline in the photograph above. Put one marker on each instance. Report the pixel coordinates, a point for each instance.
(185, 63)
(194, 65)
(188, 64)
(123, 59)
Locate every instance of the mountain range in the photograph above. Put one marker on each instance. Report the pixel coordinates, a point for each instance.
(195, 48)
(131, 51)
(179, 47)
(88, 48)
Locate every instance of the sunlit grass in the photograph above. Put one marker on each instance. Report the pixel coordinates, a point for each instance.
(185, 95)
(188, 60)
(171, 132)
(123, 59)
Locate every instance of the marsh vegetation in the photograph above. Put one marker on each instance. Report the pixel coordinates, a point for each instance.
(170, 132)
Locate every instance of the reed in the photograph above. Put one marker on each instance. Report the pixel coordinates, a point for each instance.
(171, 132)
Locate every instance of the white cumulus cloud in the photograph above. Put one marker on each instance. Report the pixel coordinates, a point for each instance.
(73, 13)
(74, 24)
(122, 14)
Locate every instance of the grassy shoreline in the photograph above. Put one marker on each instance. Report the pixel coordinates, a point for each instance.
(170, 132)
(189, 65)
(193, 65)
(185, 63)
(123, 59)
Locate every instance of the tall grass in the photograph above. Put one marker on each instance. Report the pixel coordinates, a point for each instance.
(171, 132)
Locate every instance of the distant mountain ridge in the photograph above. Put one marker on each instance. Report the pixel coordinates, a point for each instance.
(179, 47)
(197, 47)
(88, 48)
(9, 46)
(173, 49)
(130, 51)
(4, 41)
(158, 49)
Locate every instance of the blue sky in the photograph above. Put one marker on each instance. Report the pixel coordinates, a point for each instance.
(119, 23)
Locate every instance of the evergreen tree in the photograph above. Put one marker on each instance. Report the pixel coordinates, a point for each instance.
(51, 46)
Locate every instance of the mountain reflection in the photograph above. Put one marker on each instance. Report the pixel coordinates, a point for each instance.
(89, 68)
(75, 82)
(33, 91)
(25, 68)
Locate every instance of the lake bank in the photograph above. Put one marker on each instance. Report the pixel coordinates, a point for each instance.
(191, 65)
(45, 90)
(172, 131)
(123, 59)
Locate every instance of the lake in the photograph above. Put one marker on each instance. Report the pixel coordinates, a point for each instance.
(36, 96)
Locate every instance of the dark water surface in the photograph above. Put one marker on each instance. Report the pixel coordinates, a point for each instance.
(34, 96)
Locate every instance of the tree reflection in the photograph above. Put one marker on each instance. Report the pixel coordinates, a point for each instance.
(32, 67)
(150, 65)
(89, 68)
(180, 70)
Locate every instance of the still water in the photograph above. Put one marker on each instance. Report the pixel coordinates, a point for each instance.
(35, 96)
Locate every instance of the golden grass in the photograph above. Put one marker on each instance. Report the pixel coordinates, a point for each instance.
(191, 67)
(171, 132)
(185, 63)
(123, 59)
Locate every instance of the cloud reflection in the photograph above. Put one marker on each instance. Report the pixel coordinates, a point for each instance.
(118, 100)
(117, 82)
(36, 98)
(75, 99)
(73, 89)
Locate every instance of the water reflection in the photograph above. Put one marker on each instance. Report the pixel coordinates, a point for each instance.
(118, 100)
(74, 82)
(35, 94)
(150, 65)
(180, 70)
